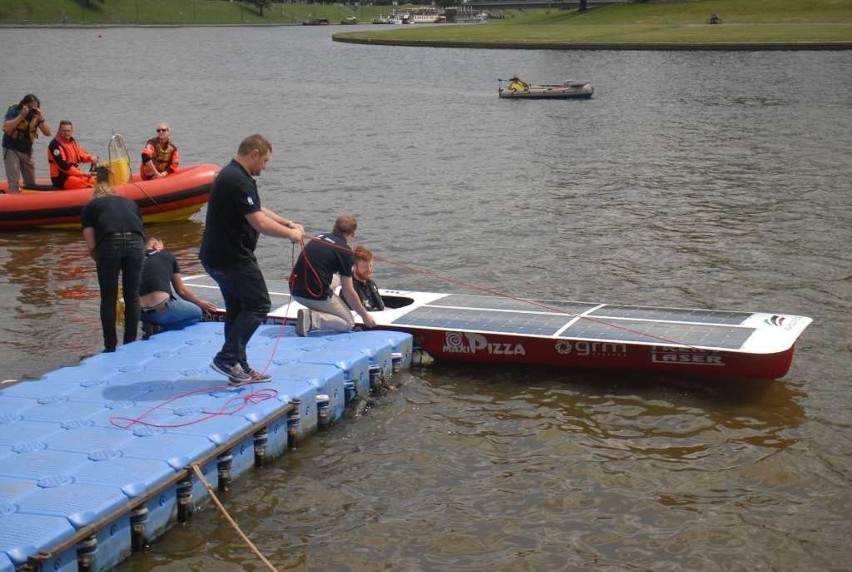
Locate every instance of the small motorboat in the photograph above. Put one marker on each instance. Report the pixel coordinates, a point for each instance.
(176, 197)
(172, 198)
(567, 90)
(503, 330)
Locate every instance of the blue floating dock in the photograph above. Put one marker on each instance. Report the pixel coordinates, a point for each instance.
(95, 459)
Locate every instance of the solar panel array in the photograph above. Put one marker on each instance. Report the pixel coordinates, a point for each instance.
(672, 314)
(496, 303)
(533, 324)
(619, 324)
(627, 324)
(660, 333)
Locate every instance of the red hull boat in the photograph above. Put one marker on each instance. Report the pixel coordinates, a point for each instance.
(176, 197)
(496, 330)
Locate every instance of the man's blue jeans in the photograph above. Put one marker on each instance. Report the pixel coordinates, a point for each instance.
(246, 306)
(175, 315)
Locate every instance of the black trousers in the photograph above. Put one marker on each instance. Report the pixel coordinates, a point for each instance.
(119, 254)
(246, 306)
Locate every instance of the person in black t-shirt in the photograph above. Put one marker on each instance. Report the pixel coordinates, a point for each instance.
(235, 220)
(166, 301)
(362, 280)
(310, 282)
(112, 229)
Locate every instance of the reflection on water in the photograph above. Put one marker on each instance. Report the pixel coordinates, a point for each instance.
(51, 288)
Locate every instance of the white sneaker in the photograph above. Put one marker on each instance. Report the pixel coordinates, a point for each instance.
(303, 322)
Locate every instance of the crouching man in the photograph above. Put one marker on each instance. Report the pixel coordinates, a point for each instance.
(166, 301)
(310, 282)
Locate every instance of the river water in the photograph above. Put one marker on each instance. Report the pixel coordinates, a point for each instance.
(705, 179)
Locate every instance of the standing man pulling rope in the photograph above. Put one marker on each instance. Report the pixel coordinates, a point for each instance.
(235, 221)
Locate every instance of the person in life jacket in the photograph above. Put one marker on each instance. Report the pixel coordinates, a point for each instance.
(65, 155)
(20, 128)
(160, 157)
(517, 84)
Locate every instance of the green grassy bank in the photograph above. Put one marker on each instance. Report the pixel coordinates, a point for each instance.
(786, 23)
(656, 23)
(171, 12)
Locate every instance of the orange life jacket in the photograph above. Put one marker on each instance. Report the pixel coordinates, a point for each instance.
(165, 160)
(65, 159)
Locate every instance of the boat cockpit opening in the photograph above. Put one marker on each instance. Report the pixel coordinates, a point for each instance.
(394, 302)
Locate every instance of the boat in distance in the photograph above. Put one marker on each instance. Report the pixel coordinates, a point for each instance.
(567, 90)
(176, 197)
(502, 330)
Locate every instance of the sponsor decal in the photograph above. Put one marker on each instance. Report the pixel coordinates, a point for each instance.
(784, 322)
(685, 356)
(587, 349)
(459, 343)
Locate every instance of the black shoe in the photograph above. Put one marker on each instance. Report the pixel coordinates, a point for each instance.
(149, 329)
(256, 376)
(234, 373)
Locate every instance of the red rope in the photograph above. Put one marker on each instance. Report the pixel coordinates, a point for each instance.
(493, 292)
(238, 403)
(560, 311)
(309, 267)
(230, 407)
(242, 401)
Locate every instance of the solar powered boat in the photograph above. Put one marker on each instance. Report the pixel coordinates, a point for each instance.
(498, 330)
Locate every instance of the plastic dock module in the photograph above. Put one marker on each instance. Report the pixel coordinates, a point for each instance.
(96, 460)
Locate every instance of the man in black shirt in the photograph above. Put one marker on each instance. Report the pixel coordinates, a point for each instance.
(362, 280)
(112, 229)
(166, 301)
(235, 220)
(310, 282)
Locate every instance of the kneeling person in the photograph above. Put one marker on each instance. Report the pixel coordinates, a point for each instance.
(160, 277)
(310, 282)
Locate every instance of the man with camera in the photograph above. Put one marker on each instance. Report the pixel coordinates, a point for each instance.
(20, 128)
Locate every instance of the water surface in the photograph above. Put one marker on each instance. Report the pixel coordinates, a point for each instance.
(691, 179)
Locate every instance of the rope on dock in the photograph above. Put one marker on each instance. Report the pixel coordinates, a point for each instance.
(197, 470)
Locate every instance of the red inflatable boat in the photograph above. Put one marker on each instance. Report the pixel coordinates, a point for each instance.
(176, 197)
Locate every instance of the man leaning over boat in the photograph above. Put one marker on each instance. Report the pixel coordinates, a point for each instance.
(310, 282)
(166, 301)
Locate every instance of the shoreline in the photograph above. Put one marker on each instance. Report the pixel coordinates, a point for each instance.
(601, 46)
(731, 46)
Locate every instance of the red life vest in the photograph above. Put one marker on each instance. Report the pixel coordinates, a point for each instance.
(65, 159)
